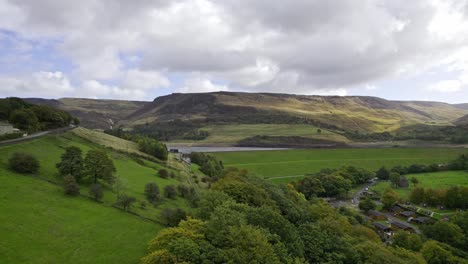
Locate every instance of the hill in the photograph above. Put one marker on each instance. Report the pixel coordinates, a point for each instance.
(462, 121)
(93, 113)
(462, 106)
(40, 224)
(349, 113)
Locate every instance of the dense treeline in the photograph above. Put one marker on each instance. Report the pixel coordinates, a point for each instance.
(146, 144)
(452, 134)
(333, 182)
(244, 219)
(455, 197)
(32, 118)
(209, 164)
(286, 142)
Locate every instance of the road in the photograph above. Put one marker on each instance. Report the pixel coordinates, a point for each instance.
(33, 136)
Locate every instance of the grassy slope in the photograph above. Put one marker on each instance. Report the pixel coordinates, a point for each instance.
(436, 180)
(283, 163)
(40, 225)
(75, 211)
(230, 134)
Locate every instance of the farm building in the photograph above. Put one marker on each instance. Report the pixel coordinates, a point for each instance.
(382, 228)
(375, 215)
(396, 209)
(407, 214)
(6, 128)
(421, 220)
(401, 226)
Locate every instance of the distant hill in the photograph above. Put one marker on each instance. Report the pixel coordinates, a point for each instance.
(93, 113)
(462, 121)
(462, 106)
(350, 113)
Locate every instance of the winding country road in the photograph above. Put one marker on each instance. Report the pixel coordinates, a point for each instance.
(33, 136)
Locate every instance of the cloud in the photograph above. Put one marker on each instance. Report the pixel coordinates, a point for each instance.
(50, 84)
(200, 84)
(304, 46)
(447, 86)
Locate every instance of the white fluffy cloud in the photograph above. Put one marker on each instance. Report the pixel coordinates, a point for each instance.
(302, 46)
(49, 84)
(447, 86)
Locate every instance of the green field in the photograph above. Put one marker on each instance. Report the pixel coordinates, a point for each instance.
(42, 225)
(288, 165)
(435, 180)
(230, 134)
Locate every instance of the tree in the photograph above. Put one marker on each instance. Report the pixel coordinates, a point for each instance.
(172, 217)
(125, 201)
(170, 192)
(71, 163)
(163, 173)
(389, 198)
(417, 195)
(383, 174)
(98, 165)
(435, 254)
(395, 178)
(319, 131)
(445, 232)
(310, 187)
(408, 241)
(70, 186)
(414, 181)
(24, 119)
(95, 190)
(23, 163)
(367, 204)
(152, 193)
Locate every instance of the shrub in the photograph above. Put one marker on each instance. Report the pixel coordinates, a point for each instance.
(170, 192)
(172, 217)
(163, 173)
(70, 186)
(95, 190)
(185, 191)
(152, 193)
(23, 163)
(125, 201)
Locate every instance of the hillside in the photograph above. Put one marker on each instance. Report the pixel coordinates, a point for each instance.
(93, 113)
(351, 113)
(40, 224)
(462, 121)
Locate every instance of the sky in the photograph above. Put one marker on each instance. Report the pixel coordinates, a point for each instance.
(141, 49)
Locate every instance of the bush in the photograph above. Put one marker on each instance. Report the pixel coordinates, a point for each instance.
(125, 201)
(23, 163)
(185, 191)
(163, 173)
(152, 193)
(170, 192)
(95, 190)
(70, 186)
(172, 217)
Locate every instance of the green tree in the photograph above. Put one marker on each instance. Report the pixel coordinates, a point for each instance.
(445, 232)
(435, 254)
(367, 204)
(172, 217)
(383, 174)
(389, 198)
(395, 178)
(152, 193)
(23, 163)
(408, 241)
(98, 165)
(24, 119)
(95, 190)
(125, 201)
(310, 187)
(170, 191)
(71, 163)
(163, 173)
(417, 195)
(414, 181)
(70, 186)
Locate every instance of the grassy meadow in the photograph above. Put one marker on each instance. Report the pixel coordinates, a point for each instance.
(42, 225)
(231, 134)
(434, 180)
(288, 165)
